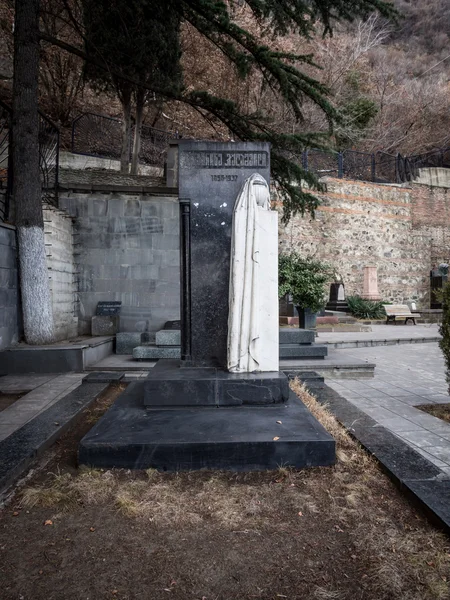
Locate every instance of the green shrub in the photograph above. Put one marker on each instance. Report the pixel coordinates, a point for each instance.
(444, 330)
(365, 309)
(304, 279)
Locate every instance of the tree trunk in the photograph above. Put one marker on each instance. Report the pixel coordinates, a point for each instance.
(140, 101)
(34, 279)
(126, 132)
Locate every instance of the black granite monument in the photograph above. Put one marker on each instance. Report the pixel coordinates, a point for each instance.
(193, 413)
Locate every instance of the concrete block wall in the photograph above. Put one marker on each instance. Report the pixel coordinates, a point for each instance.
(126, 248)
(362, 224)
(10, 316)
(62, 277)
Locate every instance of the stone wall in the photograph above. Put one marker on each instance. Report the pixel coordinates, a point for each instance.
(362, 224)
(431, 215)
(126, 248)
(81, 162)
(62, 278)
(10, 319)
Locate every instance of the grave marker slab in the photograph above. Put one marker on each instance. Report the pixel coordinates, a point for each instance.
(211, 175)
(108, 308)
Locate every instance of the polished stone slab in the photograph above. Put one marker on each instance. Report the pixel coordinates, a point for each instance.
(168, 384)
(241, 438)
(303, 351)
(211, 175)
(103, 377)
(156, 352)
(293, 335)
(167, 337)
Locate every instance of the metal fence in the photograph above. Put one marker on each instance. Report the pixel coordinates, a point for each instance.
(378, 167)
(101, 136)
(5, 161)
(48, 160)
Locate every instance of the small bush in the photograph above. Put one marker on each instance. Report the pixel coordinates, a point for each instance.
(444, 330)
(365, 309)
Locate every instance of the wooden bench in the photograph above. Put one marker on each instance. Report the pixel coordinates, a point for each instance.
(399, 311)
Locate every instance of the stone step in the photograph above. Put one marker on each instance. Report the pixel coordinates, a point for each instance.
(299, 351)
(296, 336)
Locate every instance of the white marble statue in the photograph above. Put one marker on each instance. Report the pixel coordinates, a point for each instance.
(253, 299)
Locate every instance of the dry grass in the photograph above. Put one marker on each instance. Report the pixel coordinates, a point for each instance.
(347, 496)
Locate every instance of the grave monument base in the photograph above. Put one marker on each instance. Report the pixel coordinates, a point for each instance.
(171, 384)
(236, 438)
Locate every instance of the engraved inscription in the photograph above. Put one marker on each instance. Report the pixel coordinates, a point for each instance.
(224, 160)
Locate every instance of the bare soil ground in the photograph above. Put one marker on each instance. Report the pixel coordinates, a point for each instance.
(331, 533)
(441, 411)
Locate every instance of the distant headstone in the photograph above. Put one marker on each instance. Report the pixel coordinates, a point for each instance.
(108, 308)
(370, 289)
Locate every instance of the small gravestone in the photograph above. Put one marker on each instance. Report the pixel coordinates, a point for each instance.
(109, 308)
(107, 318)
(337, 301)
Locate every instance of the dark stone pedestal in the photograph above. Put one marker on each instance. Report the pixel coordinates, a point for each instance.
(168, 385)
(240, 438)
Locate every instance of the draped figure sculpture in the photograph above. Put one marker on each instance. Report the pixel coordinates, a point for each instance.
(253, 296)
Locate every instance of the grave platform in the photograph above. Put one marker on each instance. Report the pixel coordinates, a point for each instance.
(243, 438)
(171, 385)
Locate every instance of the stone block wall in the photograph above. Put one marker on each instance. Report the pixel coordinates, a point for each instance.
(431, 215)
(10, 315)
(362, 224)
(126, 248)
(62, 277)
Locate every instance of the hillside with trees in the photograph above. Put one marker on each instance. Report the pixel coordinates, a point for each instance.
(389, 79)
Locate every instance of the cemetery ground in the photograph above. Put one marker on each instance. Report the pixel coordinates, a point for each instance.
(325, 533)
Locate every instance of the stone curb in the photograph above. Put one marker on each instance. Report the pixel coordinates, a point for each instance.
(27, 443)
(425, 483)
(369, 343)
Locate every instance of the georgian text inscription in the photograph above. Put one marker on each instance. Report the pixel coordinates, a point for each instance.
(201, 159)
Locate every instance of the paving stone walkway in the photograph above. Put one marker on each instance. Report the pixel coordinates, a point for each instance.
(43, 392)
(406, 376)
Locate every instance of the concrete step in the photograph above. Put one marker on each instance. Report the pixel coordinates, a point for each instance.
(305, 351)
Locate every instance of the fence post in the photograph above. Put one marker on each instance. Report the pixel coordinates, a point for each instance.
(9, 174)
(340, 159)
(373, 166)
(305, 159)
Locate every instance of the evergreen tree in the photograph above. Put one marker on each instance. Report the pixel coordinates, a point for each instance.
(139, 38)
(280, 70)
(444, 330)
